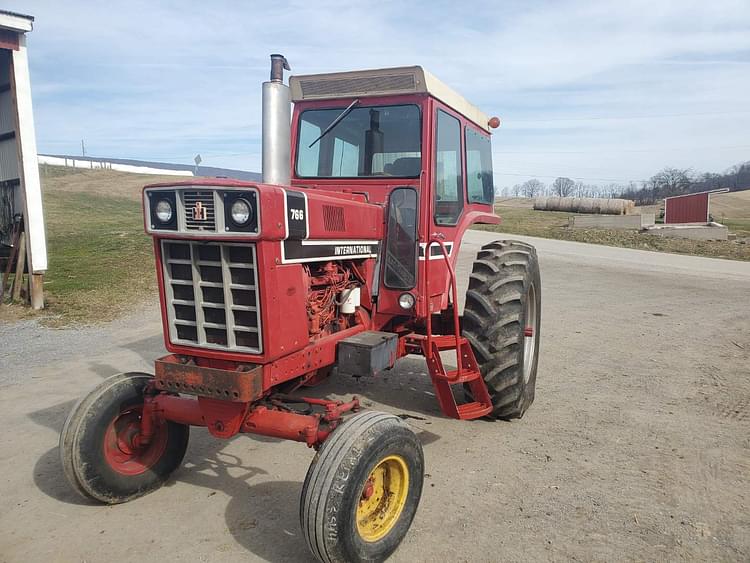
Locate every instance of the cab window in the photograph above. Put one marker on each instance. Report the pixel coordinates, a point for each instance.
(401, 245)
(369, 141)
(479, 167)
(448, 178)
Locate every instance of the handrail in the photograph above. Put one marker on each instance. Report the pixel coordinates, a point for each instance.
(454, 292)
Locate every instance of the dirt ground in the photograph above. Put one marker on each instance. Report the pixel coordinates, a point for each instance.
(637, 447)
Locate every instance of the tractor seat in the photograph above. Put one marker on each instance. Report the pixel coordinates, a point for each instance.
(406, 166)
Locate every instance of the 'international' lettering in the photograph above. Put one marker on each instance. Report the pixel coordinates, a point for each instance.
(352, 249)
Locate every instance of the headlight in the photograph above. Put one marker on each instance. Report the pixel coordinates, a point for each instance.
(241, 212)
(164, 211)
(406, 301)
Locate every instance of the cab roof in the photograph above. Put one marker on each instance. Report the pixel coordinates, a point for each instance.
(383, 82)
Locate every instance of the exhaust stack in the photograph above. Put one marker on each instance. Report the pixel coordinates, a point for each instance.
(276, 125)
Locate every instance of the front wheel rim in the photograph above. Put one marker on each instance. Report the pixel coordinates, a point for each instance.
(382, 498)
(121, 450)
(529, 333)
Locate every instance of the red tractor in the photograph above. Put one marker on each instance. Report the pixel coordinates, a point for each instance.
(344, 256)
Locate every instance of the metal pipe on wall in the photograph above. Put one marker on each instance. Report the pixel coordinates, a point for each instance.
(277, 117)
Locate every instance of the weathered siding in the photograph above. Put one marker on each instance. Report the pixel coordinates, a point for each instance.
(691, 208)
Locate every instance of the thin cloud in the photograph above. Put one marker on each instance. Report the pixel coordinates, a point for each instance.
(609, 90)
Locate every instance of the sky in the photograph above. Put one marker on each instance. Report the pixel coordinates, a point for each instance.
(600, 91)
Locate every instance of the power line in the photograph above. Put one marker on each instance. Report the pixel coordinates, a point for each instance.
(665, 149)
(560, 175)
(510, 120)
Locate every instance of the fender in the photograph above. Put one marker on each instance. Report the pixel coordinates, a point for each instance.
(471, 217)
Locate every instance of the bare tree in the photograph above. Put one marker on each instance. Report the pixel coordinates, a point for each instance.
(563, 187)
(612, 190)
(671, 181)
(532, 188)
(675, 181)
(586, 190)
(517, 189)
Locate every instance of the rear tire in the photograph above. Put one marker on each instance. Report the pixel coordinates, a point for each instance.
(501, 320)
(362, 489)
(96, 443)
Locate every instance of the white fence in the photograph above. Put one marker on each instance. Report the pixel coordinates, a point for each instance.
(104, 165)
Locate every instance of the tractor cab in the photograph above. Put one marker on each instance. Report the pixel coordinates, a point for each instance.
(410, 143)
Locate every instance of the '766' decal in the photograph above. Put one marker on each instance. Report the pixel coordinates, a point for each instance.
(296, 215)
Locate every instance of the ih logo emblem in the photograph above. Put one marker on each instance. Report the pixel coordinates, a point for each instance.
(199, 212)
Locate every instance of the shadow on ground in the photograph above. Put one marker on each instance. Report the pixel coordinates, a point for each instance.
(262, 517)
(148, 348)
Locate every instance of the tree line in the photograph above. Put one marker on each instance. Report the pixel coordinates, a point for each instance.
(665, 183)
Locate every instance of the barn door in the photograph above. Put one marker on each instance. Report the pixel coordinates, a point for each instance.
(9, 174)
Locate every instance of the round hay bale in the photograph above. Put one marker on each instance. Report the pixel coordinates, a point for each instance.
(585, 205)
(611, 207)
(540, 204)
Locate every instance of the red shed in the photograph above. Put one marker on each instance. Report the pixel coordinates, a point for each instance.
(689, 208)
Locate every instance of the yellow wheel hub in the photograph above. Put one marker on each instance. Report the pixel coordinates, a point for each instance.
(383, 498)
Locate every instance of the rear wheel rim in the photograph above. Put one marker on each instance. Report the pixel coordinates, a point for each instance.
(121, 450)
(529, 333)
(383, 498)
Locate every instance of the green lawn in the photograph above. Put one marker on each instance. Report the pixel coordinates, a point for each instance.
(100, 260)
(741, 227)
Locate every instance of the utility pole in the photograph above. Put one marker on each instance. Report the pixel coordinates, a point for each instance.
(83, 148)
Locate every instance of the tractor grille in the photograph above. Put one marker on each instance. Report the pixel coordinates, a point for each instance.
(212, 295)
(200, 211)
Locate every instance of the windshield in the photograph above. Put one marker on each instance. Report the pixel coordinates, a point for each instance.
(368, 141)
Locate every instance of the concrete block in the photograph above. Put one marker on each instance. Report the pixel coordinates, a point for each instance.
(692, 231)
(617, 222)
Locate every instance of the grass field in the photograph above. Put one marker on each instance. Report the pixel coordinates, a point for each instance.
(101, 262)
(740, 227)
(551, 224)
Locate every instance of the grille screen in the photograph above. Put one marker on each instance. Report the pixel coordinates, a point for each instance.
(200, 212)
(312, 88)
(333, 218)
(212, 295)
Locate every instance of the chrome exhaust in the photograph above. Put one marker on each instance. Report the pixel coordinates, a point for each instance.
(277, 117)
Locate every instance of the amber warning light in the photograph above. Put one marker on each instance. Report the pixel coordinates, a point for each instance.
(494, 122)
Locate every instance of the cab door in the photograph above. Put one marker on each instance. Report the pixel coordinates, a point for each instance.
(401, 248)
(447, 190)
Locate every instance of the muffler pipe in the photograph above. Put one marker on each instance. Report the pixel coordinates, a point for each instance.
(277, 117)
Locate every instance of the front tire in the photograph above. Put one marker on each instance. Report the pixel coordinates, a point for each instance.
(97, 449)
(502, 317)
(362, 489)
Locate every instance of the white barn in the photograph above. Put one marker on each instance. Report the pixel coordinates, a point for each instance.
(20, 190)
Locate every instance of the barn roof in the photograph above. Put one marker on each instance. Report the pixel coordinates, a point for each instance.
(15, 21)
(718, 191)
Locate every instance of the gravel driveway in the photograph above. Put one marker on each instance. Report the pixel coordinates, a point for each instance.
(637, 447)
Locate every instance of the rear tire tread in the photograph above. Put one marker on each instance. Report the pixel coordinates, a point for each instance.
(494, 322)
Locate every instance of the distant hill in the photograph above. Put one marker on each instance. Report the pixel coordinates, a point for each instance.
(205, 171)
(731, 205)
